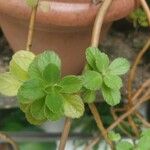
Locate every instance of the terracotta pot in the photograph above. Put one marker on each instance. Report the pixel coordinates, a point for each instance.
(61, 25)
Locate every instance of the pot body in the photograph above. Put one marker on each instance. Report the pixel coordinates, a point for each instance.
(64, 26)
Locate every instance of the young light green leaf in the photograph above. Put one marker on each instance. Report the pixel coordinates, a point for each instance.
(20, 63)
(37, 109)
(111, 96)
(33, 70)
(113, 81)
(70, 84)
(88, 96)
(51, 73)
(32, 3)
(9, 85)
(102, 62)
(91, 54)
(115, 137)
(52, 116)
(119, 66)
(124, 145)
(73, 106)
(92, 80)
(54, 101)
(31, 90)
(46, 58)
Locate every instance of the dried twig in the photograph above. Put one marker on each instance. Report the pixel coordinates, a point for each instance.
(120, 126)
(100, 123)
(9, 140)
(65, 134)
(92, 143)
(121, 118)
(132, 109)
(140, 90)
(31, 28)
(134, 67)
(145, 122)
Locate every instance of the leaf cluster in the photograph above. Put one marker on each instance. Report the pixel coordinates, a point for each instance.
(43, 94)
(102, 76)
(48, 96)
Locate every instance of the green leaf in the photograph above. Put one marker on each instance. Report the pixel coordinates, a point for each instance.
(144, 142)
(111, 96)
(52, 116)
(24, 107)
(92, 80)
(70, 84)
(20, 63)
(51, 73)
(73, 106)
(32, 3)
(48, 57)
(33, 70)
(113, 81)
(54, 101)
(114, 136)
(88, 96)
(37, 109)
(119, 66)
(33, 120)
(9, 85)
(91, 55)
(102, 62)
(31, 90)
(124, 145)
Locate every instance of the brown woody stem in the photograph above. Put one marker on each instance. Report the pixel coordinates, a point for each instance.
(9, 140)
(100, 123)
(31, 28)
(65, 133)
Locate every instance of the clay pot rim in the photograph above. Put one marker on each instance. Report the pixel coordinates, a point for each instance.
(59, 10)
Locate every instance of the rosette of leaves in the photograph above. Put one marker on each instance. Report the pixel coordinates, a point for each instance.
(11, 81)
(47, 96)
(103, 76)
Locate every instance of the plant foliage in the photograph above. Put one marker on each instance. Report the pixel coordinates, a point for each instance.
(103, 76)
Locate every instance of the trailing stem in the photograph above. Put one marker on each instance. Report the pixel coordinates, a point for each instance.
(122, 117)
(65, 133)
(134, 67)
(9, 140)
(31, 28)
(130, 81)
(100, 123)
(94, 43)
(99, 22)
